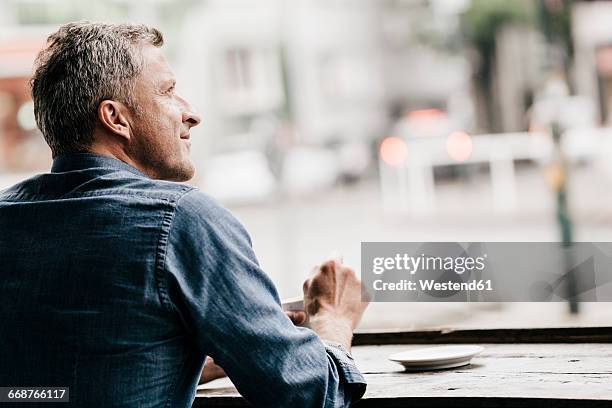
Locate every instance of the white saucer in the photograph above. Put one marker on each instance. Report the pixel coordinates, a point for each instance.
(436, 358)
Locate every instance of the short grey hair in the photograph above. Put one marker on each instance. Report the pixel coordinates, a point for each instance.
(83, 64)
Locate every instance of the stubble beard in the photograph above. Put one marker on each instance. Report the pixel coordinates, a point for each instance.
(156, 160)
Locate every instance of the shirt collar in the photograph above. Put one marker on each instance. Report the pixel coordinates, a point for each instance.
(82, 161)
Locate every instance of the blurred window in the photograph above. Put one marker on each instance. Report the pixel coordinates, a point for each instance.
(251, 80)
(238, 70)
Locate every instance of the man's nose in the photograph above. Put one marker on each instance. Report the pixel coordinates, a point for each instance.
(191, 118)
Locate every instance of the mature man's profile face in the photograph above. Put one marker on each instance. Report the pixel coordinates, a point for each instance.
(161, 122)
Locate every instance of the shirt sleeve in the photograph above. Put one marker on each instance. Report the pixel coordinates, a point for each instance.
(233, 309)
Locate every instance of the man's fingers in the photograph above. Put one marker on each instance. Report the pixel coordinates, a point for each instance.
(306, 285)
(297, 317)
(328, 267)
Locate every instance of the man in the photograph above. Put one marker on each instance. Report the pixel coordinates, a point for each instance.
(117, 282)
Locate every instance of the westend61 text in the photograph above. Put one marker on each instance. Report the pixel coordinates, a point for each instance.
(433, 285)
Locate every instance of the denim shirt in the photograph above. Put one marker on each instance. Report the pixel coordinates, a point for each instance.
(118, 286)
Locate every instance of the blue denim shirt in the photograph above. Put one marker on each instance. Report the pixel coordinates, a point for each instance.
(118, 286)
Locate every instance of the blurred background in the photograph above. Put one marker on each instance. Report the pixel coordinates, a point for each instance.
(328, 123)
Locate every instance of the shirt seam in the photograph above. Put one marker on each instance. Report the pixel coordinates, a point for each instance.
(177, 374)
(86, 194)
(162, 246)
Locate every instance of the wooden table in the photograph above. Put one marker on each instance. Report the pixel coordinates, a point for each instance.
(528, 374)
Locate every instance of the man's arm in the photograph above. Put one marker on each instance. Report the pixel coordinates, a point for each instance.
(211, 371)
(233, 309)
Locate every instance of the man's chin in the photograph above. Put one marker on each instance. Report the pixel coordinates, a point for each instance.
(185, 176)
(179, 173)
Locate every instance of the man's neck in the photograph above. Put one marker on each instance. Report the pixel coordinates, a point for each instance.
(115, 153)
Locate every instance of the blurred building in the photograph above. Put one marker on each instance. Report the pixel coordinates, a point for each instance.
(305, 72)
(592, 35)
(311, 74)
(316, 74)
(21, 147)
(316, 64)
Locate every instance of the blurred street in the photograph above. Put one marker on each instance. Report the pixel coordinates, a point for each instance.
(292, 235)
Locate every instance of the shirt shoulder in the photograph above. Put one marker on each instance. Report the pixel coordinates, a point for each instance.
(196, 210)
(91, 183)
(207, 252)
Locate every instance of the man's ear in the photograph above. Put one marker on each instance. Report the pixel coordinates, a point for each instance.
(113, 117)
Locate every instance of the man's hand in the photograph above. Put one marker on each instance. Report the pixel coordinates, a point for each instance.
(296, 317)
(211, 371)
(332, 300)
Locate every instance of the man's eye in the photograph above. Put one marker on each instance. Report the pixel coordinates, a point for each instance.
(170, 90)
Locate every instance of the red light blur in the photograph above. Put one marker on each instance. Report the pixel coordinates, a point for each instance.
(459, 146)
(425, 114)
(393, 151)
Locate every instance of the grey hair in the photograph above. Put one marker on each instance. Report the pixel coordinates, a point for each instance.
(83, 64)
